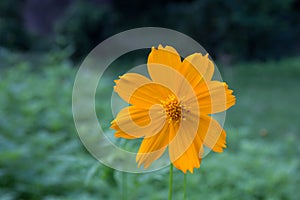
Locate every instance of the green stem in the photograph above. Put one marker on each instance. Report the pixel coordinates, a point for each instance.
(124, 186)
(171, 182)
(184, 186)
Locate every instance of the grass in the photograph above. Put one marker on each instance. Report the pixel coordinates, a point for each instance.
(41, 156)
(268, 96)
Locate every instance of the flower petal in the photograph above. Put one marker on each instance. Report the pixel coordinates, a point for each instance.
(165, 67)
(186, 149)
(201, 63)
(185, 145)
(167, 56)
(196, 69)
(162, 64)
(190, 159)
(214, 97)
(211, 133)
(133, 122)
(176, 83)
(153, 147)
(128, 83)
(149, 94)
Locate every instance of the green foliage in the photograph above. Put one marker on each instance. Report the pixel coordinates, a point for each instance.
(267, 93)
(232, 30)
(41, 156)
(248, 29)
(237, 30)
(83, 26)
(251, 172)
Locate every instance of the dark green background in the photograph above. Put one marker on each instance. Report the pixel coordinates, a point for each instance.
(254, 43)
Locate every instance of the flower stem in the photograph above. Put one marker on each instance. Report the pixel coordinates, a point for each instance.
(170, 182)
(124, 186)
(184, 186)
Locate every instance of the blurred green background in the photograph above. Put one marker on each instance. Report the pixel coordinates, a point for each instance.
(256, 46)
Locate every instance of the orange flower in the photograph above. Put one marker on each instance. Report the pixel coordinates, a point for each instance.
(172, 110)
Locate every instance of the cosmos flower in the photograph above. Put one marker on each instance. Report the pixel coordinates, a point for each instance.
(171, 110)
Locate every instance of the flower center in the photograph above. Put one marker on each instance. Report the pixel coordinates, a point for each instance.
(172, 108)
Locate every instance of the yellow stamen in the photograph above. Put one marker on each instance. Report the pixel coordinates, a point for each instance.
(172, 108)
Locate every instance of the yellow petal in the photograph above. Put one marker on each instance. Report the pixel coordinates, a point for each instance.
(164, 65)
(193, 69)
(176, 83)
(214, 97)
(184, 147)
(128, 83)
(203, 65)
(211, 133)
(190, 159)
(167, 57)
(133, 122)
(153, 147)
(149, 94)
